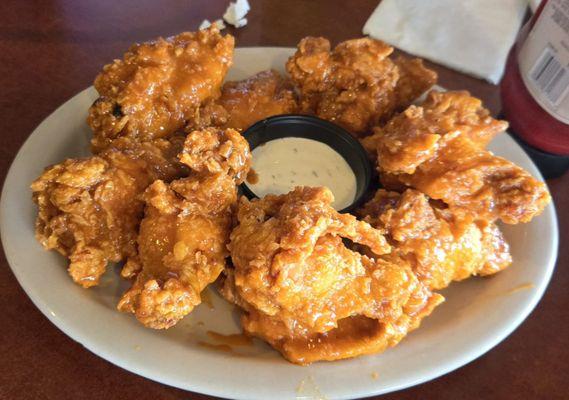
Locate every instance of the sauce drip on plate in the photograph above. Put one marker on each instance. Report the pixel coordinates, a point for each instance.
(237, 339)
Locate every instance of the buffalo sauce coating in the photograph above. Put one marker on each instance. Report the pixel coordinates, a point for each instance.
(89, 209)
(252, 177)
(158, 86)
(237, 339)
(226, 343)
(253, 99)
(309, 295)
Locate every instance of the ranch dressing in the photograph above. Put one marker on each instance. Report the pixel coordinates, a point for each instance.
(282, 164)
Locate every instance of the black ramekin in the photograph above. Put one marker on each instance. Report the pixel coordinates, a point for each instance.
(309, 127)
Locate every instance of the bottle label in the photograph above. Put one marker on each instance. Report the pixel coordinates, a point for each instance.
(544, 60)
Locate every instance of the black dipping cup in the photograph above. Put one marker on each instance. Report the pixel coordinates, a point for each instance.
(308, 127)
(550, 165)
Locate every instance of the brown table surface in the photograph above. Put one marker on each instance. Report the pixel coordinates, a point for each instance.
(50, 50)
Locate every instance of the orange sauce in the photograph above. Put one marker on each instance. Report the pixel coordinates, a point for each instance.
(252, 177)
(206, 299)
(524, 286)
(217, 347)
(238, 339)
(226, 343)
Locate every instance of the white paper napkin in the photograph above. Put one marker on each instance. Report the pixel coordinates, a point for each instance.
(472, 36)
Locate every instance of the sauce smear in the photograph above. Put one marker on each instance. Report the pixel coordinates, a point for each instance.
(252, 177)
(237, 339)
(282, 164)
(206, 299)
(218, 347)
(524, 286)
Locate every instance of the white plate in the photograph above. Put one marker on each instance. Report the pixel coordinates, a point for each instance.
(477, 315)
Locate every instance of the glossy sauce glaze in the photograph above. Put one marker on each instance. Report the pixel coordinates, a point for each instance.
(226, 343)
(282, 164)
(237, 339)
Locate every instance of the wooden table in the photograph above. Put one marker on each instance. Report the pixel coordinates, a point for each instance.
(50, 50)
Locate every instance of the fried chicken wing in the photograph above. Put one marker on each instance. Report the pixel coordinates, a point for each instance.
(89, 209)
(356, 85)
(217, 151)
(417, 134)
(242, 103)
(304, 291)
(438, 148)
(181, 248)
(482, 184)
(158, 86)
(414, 80)
(260, 96)
(183, 236)
(402, 302)
(440, 246)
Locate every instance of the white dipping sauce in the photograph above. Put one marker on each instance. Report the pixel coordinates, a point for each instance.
(282, 164)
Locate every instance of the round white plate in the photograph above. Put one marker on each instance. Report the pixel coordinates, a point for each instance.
(477, 315)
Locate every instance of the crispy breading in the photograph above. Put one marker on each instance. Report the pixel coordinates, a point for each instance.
(242, 103)
(438, 148)
(440, 246)
(158, 86)
(356, 85)
(89, 209)
(183, 236)
(417, 134)
(298, 282)
(260, 96)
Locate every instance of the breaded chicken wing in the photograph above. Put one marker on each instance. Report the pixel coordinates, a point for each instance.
(89, 209)
(183, 236)
(242, 103)
(417, 134)
(263, 95)
(302, 289)
(414, 80)
(438, 148)
(356, 85)
(158, 86)
(440, 246)
(479, 183)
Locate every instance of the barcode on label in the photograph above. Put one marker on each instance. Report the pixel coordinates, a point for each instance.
(550, 76)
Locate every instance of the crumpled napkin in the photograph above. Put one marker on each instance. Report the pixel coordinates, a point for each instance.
(471, 36)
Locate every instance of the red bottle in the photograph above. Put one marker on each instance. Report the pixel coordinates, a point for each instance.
(535, 87)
